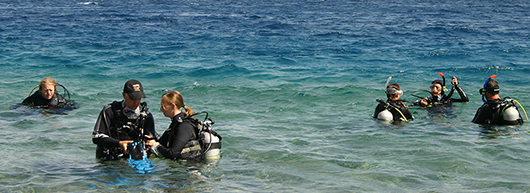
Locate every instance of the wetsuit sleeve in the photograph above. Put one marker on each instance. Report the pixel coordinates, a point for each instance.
(101, 134)
(179, 139)
(463, 96)
(150, 126)
(380, 107)
(28, 100)
(429, 102)
(482, 114)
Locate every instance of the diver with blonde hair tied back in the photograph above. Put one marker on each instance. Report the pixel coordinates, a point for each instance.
(180, 140)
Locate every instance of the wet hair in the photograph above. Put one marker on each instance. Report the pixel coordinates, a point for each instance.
(46, 81)
(174, 97)
(492, 87)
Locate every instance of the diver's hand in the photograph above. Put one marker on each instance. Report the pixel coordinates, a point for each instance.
(454, 81)
(123, 145)
(152, 143)
(424, 101)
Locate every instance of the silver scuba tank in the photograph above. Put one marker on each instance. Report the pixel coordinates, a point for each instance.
(385, 115)
(213, 152)
(510, 114)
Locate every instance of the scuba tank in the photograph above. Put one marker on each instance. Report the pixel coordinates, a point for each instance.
(211, 141)
(385, 115)
(510, 114)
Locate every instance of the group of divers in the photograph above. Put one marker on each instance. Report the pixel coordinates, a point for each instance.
(126, 129)
(494, 111)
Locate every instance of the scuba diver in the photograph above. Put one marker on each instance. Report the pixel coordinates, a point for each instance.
(497, 111)
(47, 96)
(183, 140)
(438, 97)
(393, 109)
(123, 126)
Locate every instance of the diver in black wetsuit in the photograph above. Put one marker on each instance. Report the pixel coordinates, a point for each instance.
(496, 111)
(438, 97)
(180, 140)
(47, 96)
(122, 123)
(398, 109)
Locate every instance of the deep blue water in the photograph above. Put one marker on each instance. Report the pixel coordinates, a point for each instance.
(291, 85)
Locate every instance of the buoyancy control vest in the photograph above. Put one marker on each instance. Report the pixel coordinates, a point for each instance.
(392, 111)
(505, 112)
(209, 140)
(122, 128)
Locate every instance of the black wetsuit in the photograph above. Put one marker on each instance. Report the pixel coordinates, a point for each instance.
(443, 99)
(491, 113)
(38, 101)
(395, 114)
(180, 140)
(113, 126)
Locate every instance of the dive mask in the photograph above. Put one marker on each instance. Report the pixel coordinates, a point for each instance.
(435, 87)
(392, 90)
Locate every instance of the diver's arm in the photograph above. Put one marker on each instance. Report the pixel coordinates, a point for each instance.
(481, 115)
(463, 96)
(183, 134)
(101, 134)
(150, 126)
(425, 101)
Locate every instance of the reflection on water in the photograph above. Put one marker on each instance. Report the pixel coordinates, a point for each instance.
(494, 131)
(153, 175)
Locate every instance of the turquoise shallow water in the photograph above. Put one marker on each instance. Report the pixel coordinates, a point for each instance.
(291, 85)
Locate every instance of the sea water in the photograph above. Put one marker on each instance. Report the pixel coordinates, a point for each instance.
(291, 85)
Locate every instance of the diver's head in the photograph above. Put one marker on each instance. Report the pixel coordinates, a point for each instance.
(492, 88)
(47, 88)
(172, 103)
(133, 92)
(436, 88)
(393, 92)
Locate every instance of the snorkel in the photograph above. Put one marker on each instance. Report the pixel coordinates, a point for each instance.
(387, 81)
(443, 85)
(482, 91)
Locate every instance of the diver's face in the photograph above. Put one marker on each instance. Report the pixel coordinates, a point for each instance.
(133, 104)
(394, 97)
(47, 91)
(169, 110)
(436, 89)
